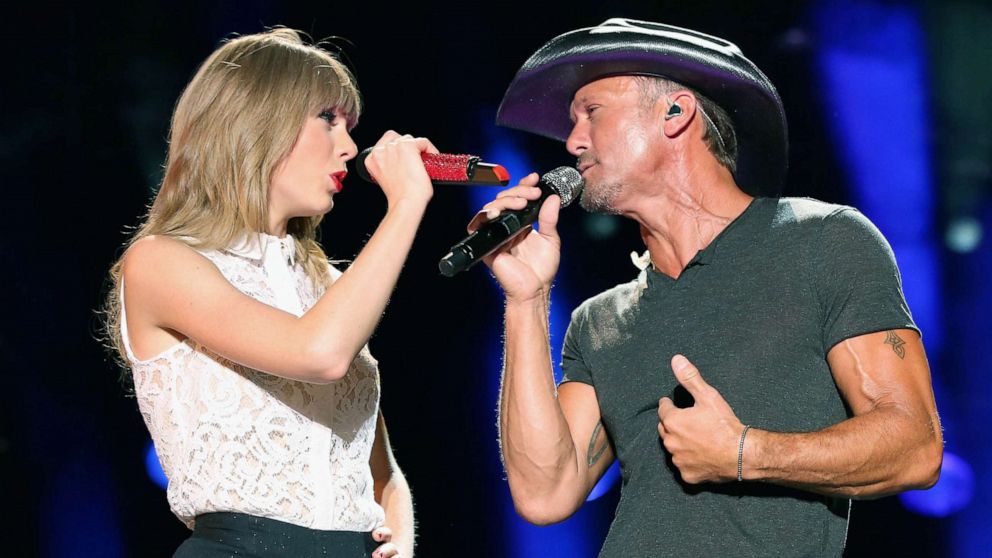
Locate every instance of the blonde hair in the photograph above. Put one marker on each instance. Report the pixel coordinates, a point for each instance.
(234, 123)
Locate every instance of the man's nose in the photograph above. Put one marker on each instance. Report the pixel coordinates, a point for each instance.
(578, 140)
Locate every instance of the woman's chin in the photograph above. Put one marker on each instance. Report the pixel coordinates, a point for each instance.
(319, 210)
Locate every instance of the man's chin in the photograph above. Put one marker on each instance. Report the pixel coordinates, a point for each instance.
(600, 199)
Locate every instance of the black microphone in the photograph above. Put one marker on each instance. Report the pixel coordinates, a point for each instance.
(566, 182)
(444, 168)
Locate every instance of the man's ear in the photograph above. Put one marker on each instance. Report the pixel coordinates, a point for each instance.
(678, 113)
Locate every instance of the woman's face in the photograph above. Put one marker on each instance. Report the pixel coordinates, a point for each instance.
(304, 183)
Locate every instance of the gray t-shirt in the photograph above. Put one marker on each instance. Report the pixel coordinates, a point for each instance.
(757, 312)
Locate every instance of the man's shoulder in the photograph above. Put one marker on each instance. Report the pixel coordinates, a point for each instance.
(828, 220)
(612, 301)
(807, 218)
(806, 211)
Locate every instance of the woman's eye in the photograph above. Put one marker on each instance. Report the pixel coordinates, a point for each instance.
(328, 115)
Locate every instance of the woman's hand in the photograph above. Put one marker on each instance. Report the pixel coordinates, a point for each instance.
(384, 535)
(395, 163)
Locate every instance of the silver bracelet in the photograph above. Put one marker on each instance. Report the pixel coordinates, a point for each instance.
(740, 454)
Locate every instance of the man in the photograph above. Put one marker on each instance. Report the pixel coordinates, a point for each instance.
(777, 326)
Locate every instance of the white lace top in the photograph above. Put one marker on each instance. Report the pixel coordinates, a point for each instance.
(231, 438)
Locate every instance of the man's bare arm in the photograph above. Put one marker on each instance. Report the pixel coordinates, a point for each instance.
(554, 445)
(893, 442)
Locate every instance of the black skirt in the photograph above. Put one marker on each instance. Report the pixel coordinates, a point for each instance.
(238, 534)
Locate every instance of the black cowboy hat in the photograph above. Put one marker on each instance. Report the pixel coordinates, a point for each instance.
(539, 96)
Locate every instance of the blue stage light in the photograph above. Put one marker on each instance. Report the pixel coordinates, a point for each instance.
(964, 234)
(154, 468)
(600, 226)
(952, 493)
(606, 482)
(873, 52)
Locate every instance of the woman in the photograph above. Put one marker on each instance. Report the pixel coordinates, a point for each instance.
(247, 349)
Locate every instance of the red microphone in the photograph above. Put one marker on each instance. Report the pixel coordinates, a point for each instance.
(444, 168)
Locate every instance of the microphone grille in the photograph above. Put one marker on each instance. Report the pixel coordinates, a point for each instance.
(566, 182)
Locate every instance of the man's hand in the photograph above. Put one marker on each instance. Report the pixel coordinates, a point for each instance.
(387, 549)
(526, 265)
(703, 439)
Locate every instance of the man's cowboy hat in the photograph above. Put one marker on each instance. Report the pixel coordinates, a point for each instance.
(539, 96)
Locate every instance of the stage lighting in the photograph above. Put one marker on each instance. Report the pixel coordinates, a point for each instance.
(154, 468)
(951, 494)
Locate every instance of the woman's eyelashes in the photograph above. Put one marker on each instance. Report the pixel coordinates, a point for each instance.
(330, 115)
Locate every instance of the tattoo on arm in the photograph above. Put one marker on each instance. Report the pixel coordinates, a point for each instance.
(596, 451)
(891, 338)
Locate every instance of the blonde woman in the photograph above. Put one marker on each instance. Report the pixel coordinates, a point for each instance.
(247, 349)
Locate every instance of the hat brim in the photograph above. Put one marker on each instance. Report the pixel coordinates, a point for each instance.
(539, 97)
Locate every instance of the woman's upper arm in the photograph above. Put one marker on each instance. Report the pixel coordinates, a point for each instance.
(172, 287)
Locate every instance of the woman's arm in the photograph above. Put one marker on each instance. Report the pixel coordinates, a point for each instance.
(393, 494)
(172, 292)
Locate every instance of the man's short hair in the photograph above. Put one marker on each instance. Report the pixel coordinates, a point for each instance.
(720, 137)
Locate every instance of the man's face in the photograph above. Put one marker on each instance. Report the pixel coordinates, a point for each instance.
(616, 139)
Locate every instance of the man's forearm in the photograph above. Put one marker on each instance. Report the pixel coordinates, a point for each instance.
(875, 454)
(538, 451)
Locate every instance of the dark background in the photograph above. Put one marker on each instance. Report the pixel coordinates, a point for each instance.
(87, 95)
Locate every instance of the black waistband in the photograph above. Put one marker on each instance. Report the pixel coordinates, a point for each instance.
(269, 537)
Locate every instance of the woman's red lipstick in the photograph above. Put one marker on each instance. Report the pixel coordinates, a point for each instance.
(339, 179)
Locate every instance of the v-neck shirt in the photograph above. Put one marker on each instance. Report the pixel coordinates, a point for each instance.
(757, 310)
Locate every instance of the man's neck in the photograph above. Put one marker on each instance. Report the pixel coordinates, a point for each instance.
(684, 219)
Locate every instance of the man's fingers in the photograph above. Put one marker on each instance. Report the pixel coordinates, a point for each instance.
(531, 179)
(688, 375)
(514, 198)
(665, 408)
(494, 209)
(547, 219)
(483, 216)
(524, 189)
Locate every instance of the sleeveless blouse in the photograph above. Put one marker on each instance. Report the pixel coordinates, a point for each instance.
(231, 438)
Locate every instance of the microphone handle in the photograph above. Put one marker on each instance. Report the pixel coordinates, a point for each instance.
(491, 236)
(449, 169)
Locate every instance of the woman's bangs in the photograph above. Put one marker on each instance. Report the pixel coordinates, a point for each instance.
(334, 88)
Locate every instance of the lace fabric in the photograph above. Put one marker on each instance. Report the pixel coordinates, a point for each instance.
(231, 438)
